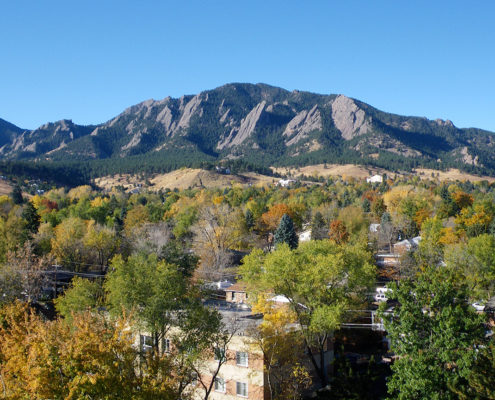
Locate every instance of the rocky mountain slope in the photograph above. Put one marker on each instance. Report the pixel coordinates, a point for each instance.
(262, 124)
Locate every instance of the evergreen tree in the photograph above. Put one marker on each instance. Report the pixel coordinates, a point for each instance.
(30, 214)
(318, 227)
(32, 222)
(386, 218)
(17, 195)
(249, 218)
(366, 206)
(286, 233)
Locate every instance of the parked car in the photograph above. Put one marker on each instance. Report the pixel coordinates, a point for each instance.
(380, 294)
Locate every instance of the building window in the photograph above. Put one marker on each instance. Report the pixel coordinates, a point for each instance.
(219, 354)
(241, 358)
(166, 345)
(219, 385)
(146, 343)
(241, 389)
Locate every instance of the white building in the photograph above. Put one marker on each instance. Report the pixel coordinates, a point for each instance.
(374, 179)
(285, 182)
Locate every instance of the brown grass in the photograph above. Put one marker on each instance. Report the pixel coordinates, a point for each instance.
(5, 187)
(345, 170)
(451, 175)
(361, 172)
(194, 178)
(184, 178)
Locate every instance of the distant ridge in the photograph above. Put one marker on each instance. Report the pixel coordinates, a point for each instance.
(259, 124)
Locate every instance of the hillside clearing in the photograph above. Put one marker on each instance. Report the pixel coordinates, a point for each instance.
(184, 178)
(5, 187)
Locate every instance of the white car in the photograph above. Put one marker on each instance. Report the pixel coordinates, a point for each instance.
(380, 294)
(380, 297)
(478, 306)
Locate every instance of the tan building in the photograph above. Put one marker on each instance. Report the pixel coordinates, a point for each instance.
(236, 293)
(242, 373)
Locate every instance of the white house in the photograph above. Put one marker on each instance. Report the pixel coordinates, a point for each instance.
(374, 179)
(285, 182)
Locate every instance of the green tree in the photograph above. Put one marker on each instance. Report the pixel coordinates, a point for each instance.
(474, 263)
(249, 219)
(16, 195)
(366, 205)
(83, 295)
(32, 218)
(286, 233)
(319, 229)
(480, 383)
(435, 333)
(320, 279)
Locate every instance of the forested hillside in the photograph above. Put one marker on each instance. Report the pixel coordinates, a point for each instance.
(260, 125)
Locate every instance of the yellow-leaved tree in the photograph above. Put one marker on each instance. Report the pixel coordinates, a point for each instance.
(91, 358)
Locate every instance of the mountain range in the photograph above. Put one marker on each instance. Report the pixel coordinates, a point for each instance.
(258, 124)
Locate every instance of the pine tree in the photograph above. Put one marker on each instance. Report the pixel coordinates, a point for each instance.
(285, 233)
(30, 214)
(366, 205)
(249, 218)
(17, 195)
(318, 227)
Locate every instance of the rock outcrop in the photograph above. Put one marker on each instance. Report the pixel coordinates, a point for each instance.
(303, 123)
(239, 134)
(349, 119)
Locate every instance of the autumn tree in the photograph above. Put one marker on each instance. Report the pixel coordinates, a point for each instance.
(22, 276)
(353, 219)
(281, 348)
(67, 245)
(101, 242)
(271, 218)
(218, 230)
(476, 219)
(135, 218)
(91, 358)
(338, 232)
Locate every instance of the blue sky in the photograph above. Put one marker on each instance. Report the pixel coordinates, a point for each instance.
(88, 60)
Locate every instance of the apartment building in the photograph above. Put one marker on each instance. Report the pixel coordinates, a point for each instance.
(242, 373)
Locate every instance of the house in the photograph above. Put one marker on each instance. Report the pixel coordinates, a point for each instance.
(222, 170)
(374, 179)
(236, 293)
(406, 245)
(387, 259)
(285, 182)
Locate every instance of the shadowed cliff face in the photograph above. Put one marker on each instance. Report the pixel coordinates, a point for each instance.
(258, 121)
